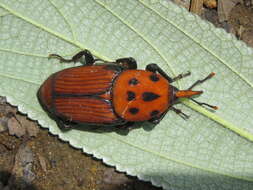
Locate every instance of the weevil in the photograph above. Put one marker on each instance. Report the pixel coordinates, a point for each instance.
(112, 93)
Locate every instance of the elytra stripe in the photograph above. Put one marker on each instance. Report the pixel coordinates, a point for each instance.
(84, 80)
(88, 77)
(69, 85)
(85, 109)
(83, 92)
(82, 86)
(83, 76)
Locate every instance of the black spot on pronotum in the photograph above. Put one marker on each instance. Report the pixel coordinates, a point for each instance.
(130, 95)
(149, 96)
(154, 113)
(133, 81)
(154, 77)
(133, 110)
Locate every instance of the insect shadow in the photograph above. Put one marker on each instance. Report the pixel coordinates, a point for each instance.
(109, 129)
(121, 130)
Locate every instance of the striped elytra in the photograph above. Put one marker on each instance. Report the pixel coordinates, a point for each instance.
(80, 95)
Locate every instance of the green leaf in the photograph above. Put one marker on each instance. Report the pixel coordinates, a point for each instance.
(211, 150)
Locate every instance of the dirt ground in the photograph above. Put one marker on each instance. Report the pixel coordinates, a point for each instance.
(31, 158)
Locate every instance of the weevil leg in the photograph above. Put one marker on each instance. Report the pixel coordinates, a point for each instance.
(204, 104)
(63, 125)
(124, 129)
(157, 120)
(201, 81)
(155, 68)
(127, 63)
(182, 75)
(85, 57)
(182, 114)
(127, 125)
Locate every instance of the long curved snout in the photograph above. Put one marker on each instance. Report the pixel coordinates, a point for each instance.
(187, 93)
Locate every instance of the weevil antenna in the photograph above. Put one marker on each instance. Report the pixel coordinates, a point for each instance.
(201, 81)
(205, 104)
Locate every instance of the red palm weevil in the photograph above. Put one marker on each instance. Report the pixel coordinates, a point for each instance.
(112, 93)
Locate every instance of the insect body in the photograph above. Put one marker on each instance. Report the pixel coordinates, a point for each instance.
(112, 93)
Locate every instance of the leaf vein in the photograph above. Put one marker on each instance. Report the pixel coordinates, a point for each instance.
(50, 31)
(139, 34)
(180, 161)
(200, 44)
(18, 79)
(65, 20)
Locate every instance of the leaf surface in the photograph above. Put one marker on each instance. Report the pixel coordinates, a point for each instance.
(211, 150)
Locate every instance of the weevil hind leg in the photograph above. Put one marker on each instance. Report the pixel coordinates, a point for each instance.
(63, 125)
(85, 57)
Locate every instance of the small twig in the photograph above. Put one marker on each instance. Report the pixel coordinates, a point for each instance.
(196, 6)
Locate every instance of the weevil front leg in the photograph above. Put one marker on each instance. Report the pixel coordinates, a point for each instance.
(157, 120)
(155, 68)
(179, 112)
(182, 75)
(85, 57)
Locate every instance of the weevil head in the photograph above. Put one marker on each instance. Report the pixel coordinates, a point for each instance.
(176, 93)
